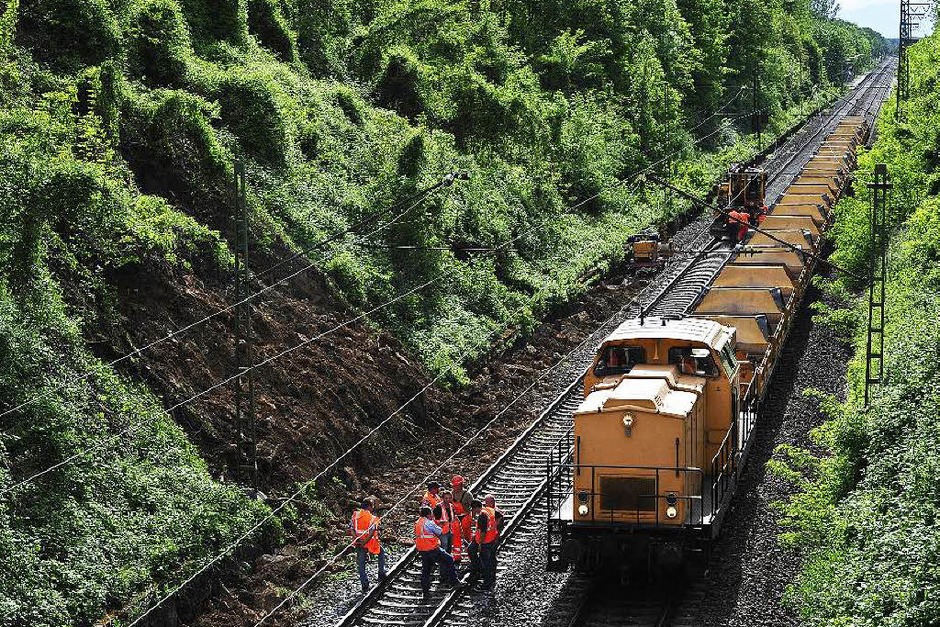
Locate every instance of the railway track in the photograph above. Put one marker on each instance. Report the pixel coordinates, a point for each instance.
(517, 478)
(680, 606)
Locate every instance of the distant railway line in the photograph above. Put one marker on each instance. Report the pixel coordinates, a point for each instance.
(517, 478)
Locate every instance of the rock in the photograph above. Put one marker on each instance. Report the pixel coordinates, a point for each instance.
(350, 480)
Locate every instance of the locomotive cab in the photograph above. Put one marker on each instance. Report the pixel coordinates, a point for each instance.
(648, 441)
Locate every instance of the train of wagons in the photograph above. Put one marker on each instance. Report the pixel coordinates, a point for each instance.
(648, 471)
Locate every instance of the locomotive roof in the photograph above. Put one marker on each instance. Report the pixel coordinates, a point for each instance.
(659, 389)
(688, 329)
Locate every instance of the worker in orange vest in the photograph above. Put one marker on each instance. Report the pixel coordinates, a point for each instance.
(490, 501)
(738, 224)
(448, 522)
(473, 548)
(463, 503)
(432, 498)
(428, 544)
(485, 538)
(364, 528)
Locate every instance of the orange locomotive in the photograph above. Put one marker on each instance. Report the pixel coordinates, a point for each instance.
(659, 441)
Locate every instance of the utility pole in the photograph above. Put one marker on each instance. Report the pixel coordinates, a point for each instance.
(911, 15)
(877, 274)
(245, 424)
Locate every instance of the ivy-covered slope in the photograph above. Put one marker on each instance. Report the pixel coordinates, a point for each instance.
(342, 108)
(121, 121)
(866, 520)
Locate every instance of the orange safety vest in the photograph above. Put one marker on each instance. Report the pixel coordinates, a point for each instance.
(447, 517)
(365, 527)
(432, 501)
(491, 531)
(741, 221)
(424, 540)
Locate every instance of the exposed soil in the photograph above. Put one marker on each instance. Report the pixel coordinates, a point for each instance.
(495, 383)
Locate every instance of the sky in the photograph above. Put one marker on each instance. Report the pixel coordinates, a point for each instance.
(881, 15)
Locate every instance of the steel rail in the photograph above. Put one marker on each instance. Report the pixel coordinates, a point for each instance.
(407, 560)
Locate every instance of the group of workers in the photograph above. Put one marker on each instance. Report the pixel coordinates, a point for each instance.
(739, 221)
(451, 525)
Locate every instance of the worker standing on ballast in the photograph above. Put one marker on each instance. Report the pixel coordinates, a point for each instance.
(447, 522)
(364, 528)
(490, 501)
(460, 528)
(428, 544)
(473, 547)
(485, 538)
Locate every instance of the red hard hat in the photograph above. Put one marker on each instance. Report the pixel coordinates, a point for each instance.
(456, 481)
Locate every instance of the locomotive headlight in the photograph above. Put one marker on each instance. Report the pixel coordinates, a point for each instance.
(583, 508)
(628, 425)
(672, 500)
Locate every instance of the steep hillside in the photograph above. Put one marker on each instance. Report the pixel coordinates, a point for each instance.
(120, 125)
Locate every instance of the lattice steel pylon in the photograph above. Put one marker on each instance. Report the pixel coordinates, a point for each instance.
(245, 424)
(878, 272)
(912, 13)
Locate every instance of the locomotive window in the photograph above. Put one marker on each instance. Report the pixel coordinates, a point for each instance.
(619, 360)
(688, 363)
(628, 494)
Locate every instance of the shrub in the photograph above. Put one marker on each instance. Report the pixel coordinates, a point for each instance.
(267, 22)
(175, 153)
(159, 48)
(251, 110)
(324, 35)
(211, 21)
(68, 34)
(398, 87)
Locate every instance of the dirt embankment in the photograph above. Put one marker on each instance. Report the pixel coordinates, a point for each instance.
(316, 402)
(311, 403)
(495, 384)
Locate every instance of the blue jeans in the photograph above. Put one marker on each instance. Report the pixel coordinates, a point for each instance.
(447, 542)
(362, 555)
(437, 557)
(488, 564)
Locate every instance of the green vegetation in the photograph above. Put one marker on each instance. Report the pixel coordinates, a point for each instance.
(120, 123)
(866, 517)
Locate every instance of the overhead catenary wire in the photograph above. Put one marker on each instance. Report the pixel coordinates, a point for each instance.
(418, 199)
(234, 544)
(417, 488)
(579, 204)
(103, 443)
(479, 432)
